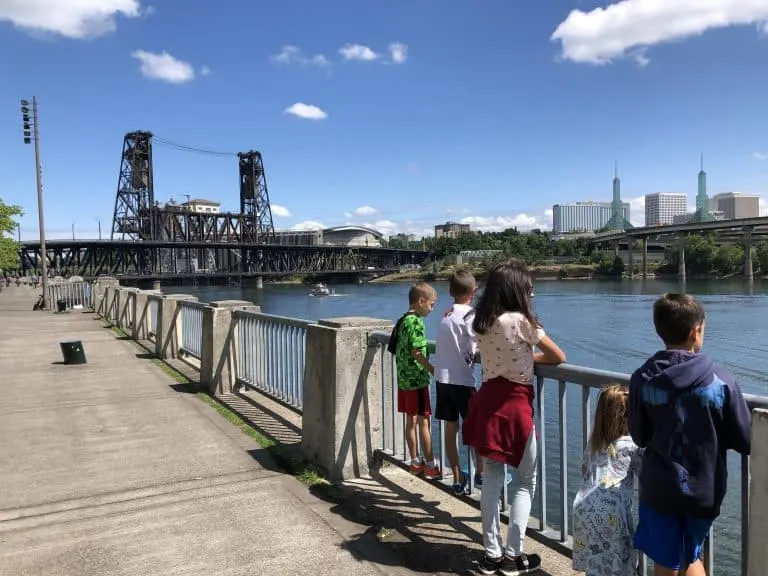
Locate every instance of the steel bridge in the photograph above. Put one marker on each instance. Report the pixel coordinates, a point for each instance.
(149, 241)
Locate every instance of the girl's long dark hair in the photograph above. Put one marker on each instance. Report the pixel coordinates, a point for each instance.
(508, 288)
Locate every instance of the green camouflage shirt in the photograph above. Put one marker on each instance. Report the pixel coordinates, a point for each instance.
(412, 336)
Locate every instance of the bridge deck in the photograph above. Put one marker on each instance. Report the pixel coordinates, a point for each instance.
(107, 470)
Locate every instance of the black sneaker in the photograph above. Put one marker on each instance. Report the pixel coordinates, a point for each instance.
(523, 564)
(489, 565)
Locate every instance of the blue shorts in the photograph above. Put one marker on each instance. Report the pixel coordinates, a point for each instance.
(669, 540)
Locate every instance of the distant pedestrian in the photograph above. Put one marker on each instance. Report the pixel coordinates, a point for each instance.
(413, 378)
(687, 412)
(500, 424)
(603, 525)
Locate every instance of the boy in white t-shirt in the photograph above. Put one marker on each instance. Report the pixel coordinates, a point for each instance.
(454, 370)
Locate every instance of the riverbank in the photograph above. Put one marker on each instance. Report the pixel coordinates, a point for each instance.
(567, 272)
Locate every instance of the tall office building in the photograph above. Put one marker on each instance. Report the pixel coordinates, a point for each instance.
(583, 216)
(736, 205)
(662, 207)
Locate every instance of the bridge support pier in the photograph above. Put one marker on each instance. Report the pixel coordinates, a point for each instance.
(681, 259)
(630, 258)
(253, 282)
(748, 271)
(645, 256)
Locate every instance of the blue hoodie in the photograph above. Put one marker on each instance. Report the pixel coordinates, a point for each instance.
(686, 412)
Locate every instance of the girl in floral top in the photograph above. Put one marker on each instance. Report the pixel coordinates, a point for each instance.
(602, 510)
(499, 424)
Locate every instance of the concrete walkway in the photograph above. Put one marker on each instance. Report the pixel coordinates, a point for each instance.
(106, 469)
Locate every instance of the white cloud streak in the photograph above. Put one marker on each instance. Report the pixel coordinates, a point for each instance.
(627, 28)
(162, 66)
(76, 19)
(306, 111)
(357, 52)
(399, 52)
(293, 55)
(280, 211)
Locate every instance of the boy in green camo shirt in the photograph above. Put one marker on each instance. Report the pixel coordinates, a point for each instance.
(413, 376)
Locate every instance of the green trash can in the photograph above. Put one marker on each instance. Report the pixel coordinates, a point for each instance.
(73, 352)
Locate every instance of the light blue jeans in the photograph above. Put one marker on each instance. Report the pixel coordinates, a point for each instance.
(520, 493)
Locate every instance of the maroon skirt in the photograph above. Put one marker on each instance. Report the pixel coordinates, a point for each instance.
(500, 420)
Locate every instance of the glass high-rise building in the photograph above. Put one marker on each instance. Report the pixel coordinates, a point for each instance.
(582, 216)
(662, 207)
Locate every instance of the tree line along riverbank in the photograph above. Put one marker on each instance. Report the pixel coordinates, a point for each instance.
(704, 257)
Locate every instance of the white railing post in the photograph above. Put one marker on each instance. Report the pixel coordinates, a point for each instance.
(217, 371)
(341, 418)
(758, 496)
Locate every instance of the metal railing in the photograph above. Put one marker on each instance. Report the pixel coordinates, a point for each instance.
(552, 403)
(71, 293)
(271, 353)
(191, 327)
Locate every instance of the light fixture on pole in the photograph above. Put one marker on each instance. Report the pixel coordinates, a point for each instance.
(32, 133)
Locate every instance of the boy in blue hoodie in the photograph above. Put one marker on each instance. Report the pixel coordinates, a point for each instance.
(686, 412)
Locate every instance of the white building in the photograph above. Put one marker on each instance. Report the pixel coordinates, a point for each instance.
(662, 207)
(201, 206)
(582, 217)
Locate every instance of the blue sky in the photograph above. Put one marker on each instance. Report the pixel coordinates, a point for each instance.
(398, 114)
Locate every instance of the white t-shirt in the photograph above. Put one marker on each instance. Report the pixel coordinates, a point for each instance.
(507, 348)
(455, 348)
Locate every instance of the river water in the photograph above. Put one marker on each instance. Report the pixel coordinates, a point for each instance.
(604, 325)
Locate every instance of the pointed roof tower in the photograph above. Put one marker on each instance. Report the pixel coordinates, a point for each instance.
(702, 199)
(617, 221)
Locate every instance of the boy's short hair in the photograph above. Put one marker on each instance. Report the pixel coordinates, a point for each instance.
(675, 316)
(461, 284)
(420, 290)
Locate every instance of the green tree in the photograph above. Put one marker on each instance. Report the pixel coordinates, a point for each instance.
(9, 249)
(762, 256)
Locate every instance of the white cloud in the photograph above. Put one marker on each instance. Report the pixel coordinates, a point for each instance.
(69, 18)
(308, 225)
(164, 67)
(636, 210)
(306, 111)
(498, 223)
(364, 211)
(293, 55)
(280, 211)
(622, 28)
(399, 52)
(760, 156)
(357, 52)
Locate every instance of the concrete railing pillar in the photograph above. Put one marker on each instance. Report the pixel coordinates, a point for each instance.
(125, 306)
(341, 420)
(168, 337)
(681, 259)
(99, 294)
(748, 270)
(219, 346)
(758, 496)
(141, 324)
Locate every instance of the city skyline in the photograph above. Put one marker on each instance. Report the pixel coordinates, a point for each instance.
(367, 117)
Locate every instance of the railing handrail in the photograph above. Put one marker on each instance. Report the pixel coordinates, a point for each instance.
(192, 304)
(285, 320)
(159, 296)
(581, 375)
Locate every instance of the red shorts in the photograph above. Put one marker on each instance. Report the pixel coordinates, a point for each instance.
(414, 402)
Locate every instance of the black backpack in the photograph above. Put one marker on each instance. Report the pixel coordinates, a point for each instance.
(392, 346)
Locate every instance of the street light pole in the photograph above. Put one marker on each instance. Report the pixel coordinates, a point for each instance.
(34, 133)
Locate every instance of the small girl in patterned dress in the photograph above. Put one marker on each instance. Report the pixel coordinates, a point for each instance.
(603, 525)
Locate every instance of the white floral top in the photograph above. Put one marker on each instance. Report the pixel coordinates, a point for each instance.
(507, 348)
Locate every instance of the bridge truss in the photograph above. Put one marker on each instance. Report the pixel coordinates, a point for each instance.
(92, 258)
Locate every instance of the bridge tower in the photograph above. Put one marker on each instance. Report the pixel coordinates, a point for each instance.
(133, 218)
(617, 221)
(257, 226)
(702, 199)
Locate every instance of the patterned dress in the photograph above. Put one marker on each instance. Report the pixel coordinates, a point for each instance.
(603, 525)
